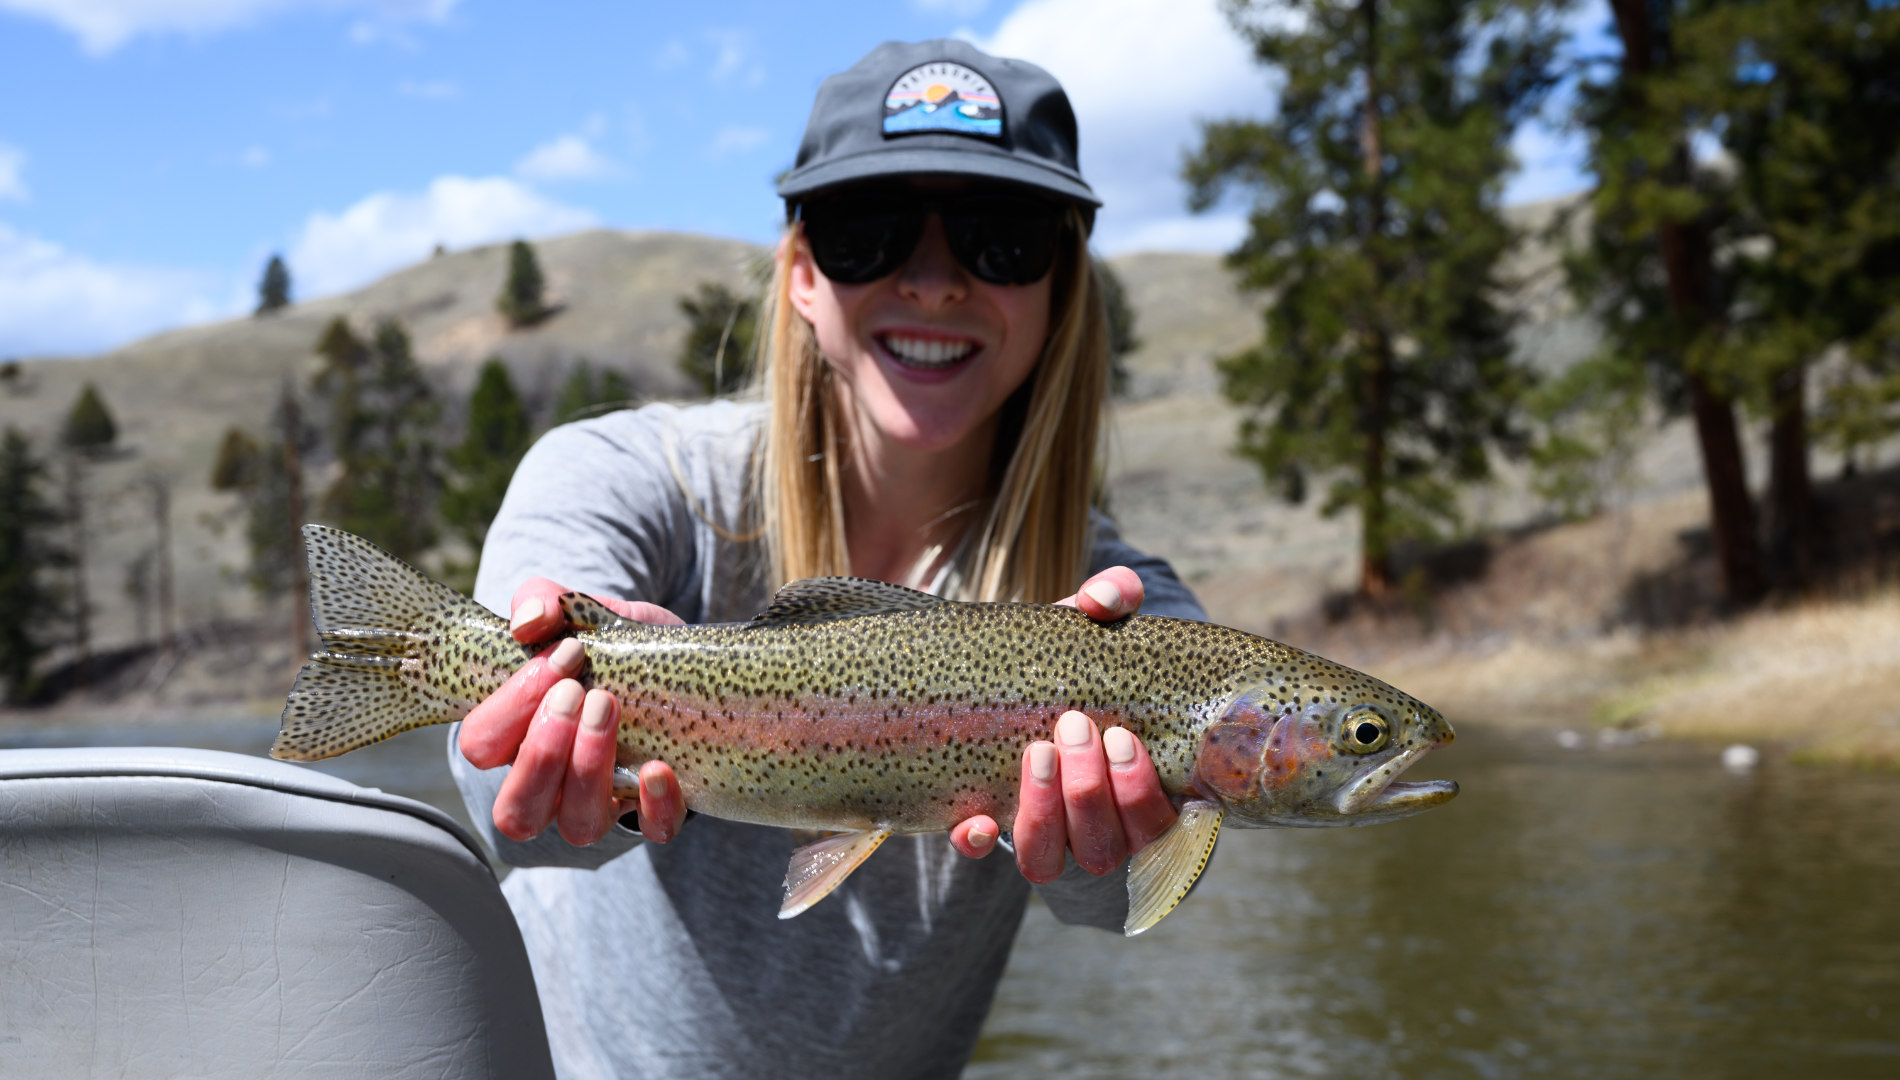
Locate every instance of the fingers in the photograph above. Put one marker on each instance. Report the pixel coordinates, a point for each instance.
(587, 807)
(662, 807)
(492, 731)
(1109, 595)
(536, 611)
(532, 790)
(974, 837)
(1088, 798)
(1145, 810)
(1041, 830)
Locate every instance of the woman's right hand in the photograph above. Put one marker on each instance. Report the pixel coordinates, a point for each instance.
(560, 741)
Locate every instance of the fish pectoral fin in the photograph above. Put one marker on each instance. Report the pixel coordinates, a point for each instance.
(586, 613)
(819, 867)
(1161, 874)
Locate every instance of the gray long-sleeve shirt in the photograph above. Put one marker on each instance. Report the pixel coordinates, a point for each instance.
(670, 960)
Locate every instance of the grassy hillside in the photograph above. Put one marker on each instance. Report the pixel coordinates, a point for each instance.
(1524, 620)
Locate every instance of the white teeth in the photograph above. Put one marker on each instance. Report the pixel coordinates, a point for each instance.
(927, 352)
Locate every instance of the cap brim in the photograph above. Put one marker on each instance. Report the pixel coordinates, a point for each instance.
(905, 161)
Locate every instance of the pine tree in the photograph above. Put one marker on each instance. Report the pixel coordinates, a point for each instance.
(1386, 362)
(587, 392)
(485, 460)
(721, 337)
(31, 608)
(382, 416)
(273, 292)
(1650, 274)
(89, 429)
(522, 301)
(1805, 98)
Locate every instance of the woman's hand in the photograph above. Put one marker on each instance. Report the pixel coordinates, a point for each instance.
(1093, 793)
(560, 741)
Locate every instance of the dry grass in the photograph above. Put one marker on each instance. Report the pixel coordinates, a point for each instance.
(1821, 677)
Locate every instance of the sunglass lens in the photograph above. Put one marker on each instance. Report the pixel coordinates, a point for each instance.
(854, 241)
(1005, 241)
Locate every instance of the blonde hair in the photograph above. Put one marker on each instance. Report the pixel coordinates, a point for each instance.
(1033, 540)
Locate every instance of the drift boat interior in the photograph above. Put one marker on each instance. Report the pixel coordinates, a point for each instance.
(168, 912)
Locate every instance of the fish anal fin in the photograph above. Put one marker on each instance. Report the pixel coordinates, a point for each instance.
(586, 613)
(1161, 874)
(819, 867)
(813, 600)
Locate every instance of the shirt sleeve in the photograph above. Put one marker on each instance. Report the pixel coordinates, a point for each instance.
(1078, 897)
(595, 507)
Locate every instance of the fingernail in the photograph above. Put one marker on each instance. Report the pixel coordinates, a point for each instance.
(564, 698)
(1120, 746)
(567, 656)
(527, 613)
(1074, 729)
(1105, 593)
(980, 838)
(1042, 762)
(598, 708)
(655, 785)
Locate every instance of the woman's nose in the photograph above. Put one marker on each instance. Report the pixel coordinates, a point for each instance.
(931, 276)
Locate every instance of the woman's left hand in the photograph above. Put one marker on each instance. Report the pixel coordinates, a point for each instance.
(1093, 793)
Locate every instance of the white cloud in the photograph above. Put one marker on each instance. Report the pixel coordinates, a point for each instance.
(388, 230)
(12, 164)
(254, 157)
(103, 25)
(565, 157)
(733, 64)
(737, 139)
(55, 301)
(1140, 76)
(430, 89)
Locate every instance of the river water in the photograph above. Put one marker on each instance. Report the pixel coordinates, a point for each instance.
(1608, 911)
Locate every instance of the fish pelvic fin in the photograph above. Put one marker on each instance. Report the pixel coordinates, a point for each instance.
(371, 611)
(1160, 875)
(819, 867)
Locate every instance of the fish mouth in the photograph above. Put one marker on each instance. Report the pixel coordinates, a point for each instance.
(1381, 794)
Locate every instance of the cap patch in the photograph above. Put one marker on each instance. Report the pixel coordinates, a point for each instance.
(946, 97)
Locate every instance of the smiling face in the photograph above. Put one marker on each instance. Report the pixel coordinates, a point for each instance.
(927, 355)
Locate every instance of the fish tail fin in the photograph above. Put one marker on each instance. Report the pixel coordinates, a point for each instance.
(372, 612)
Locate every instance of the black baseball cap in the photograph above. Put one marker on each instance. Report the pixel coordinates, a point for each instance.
(942, 107)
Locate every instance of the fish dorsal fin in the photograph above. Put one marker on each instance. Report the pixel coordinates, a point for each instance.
(816, 600)
(820, 867)
(586, 613)
(1161, 874)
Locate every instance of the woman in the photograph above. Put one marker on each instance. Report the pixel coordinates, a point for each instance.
(933, 368)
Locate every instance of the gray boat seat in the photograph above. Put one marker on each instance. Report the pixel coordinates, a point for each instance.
(169, 912)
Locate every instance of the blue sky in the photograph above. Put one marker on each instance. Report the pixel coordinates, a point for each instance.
(153, 153)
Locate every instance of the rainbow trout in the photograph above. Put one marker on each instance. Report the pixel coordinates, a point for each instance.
(871, 709)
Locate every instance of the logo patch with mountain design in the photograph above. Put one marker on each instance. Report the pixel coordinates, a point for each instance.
(943, 97)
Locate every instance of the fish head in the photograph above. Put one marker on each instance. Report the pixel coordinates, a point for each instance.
(1322, 749)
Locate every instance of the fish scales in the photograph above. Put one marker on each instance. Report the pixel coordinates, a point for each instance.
(865, 707)
(912, 720)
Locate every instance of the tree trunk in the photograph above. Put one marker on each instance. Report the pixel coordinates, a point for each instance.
(1688, 266)
(1791, 531)
(1375, 565)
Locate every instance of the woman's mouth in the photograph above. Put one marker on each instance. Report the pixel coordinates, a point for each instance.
(926, 353)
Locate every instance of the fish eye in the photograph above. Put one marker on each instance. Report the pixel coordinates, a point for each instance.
(1365, 731)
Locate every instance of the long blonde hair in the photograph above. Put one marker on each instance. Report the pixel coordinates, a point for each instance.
(1033, 541)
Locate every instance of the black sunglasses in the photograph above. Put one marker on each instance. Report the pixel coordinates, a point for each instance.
(1002, 238)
